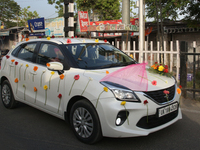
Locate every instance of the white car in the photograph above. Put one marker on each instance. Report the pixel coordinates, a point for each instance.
(73, 79)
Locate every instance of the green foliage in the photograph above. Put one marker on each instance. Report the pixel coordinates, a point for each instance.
(25, 15)
(8, 12)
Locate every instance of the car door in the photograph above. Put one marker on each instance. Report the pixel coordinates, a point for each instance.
(50, 85)
(22, 69)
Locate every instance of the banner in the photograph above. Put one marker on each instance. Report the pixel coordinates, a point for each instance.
(83, 20)
(36, 27)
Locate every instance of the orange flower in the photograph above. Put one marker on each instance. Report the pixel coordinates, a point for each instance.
(12, 60)
(27, 39)
(16, 80)
(35, 68)
(48, 65)
(153, 66)
(107, 72)
(35, 89)
(178, 91)
(62, 76)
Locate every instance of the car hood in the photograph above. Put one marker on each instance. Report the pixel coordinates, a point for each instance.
(154, 81)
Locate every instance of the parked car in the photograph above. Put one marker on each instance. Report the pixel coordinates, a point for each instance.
(98, 89)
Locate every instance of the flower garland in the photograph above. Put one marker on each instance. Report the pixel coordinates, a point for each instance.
(146, 103)
(5, 61)
(52, 73)
(90, 79)
(16, 81)
(160, 69)
(20, 71)
(45, 88)
(105, 89)
(35, 90)
(123, 103)
(76, 77)
(59, 96)
(35, 68)
(11, 65)
(16, 63)
(25, 71)
(24, 91)
(61, 78)
(41, 77)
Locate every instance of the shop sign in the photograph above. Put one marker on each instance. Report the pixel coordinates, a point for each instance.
(83, 20)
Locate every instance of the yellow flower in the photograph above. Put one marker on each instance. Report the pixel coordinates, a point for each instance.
(161, 68)
(27, 65)
(48, 38)
(96, 40)
(178, 90)
(105, 89)
(123, 103)
(52, 72)
(45, 87)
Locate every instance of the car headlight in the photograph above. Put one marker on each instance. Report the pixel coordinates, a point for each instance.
(121, 93)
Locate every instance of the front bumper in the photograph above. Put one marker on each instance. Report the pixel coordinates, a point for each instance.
(108, 108)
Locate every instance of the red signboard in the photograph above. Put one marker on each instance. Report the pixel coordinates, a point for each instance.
(83, 20)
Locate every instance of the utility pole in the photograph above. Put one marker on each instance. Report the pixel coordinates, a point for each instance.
(126, 18)
(69, 18)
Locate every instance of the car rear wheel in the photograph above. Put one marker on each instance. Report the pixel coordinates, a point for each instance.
(7, 95)
(85, 122)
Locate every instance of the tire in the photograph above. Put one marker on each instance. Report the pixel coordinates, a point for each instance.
(87, 131)
(7, 95)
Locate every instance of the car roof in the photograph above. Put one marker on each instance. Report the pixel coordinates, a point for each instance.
(64, 40)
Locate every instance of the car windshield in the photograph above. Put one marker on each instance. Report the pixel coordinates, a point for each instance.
(98, 56)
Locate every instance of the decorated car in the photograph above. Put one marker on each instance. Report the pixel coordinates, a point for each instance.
(98, 89)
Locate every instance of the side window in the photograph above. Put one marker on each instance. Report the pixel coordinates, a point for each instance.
(48, 53)
(26, 52)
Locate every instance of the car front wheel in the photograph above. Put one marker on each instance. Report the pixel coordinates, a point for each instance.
(7, 95)
(85, 122)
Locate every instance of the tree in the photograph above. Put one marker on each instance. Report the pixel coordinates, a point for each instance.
(106, 9)
(191, 11)
(25, 15)
(133, 14)
(8, 12)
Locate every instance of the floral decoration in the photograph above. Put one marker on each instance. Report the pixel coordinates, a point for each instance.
(27, 39)
(76, 77)
(61, 78)
(16, 63)
(105, 89)
(160, 69)
(123, 103)
(83, 40)
(45, 88)
(48, 64)
(11, 65)
(107, 72)
(105, 41)
(72, 37)
(178, 90)
(69, 41)
(25, 71)
(52, 73)
(16, 81)
(5, 61)
(59, 96)
(96, 40)
(180, 86)
(20, 71)
(146, 103)
(35, 68)
(166, 93)
(35, 90)
(154, 82)
(48, 38)
(90, 79)
(41, 77)
(24, 91)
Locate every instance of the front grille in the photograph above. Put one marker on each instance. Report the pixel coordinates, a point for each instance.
(155, 121)
(159, 96)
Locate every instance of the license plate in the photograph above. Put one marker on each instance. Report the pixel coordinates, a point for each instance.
(168, 109)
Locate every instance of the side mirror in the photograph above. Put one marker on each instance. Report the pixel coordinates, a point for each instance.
(55, 66)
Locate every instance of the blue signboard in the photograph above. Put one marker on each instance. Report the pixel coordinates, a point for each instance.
(36, 27)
